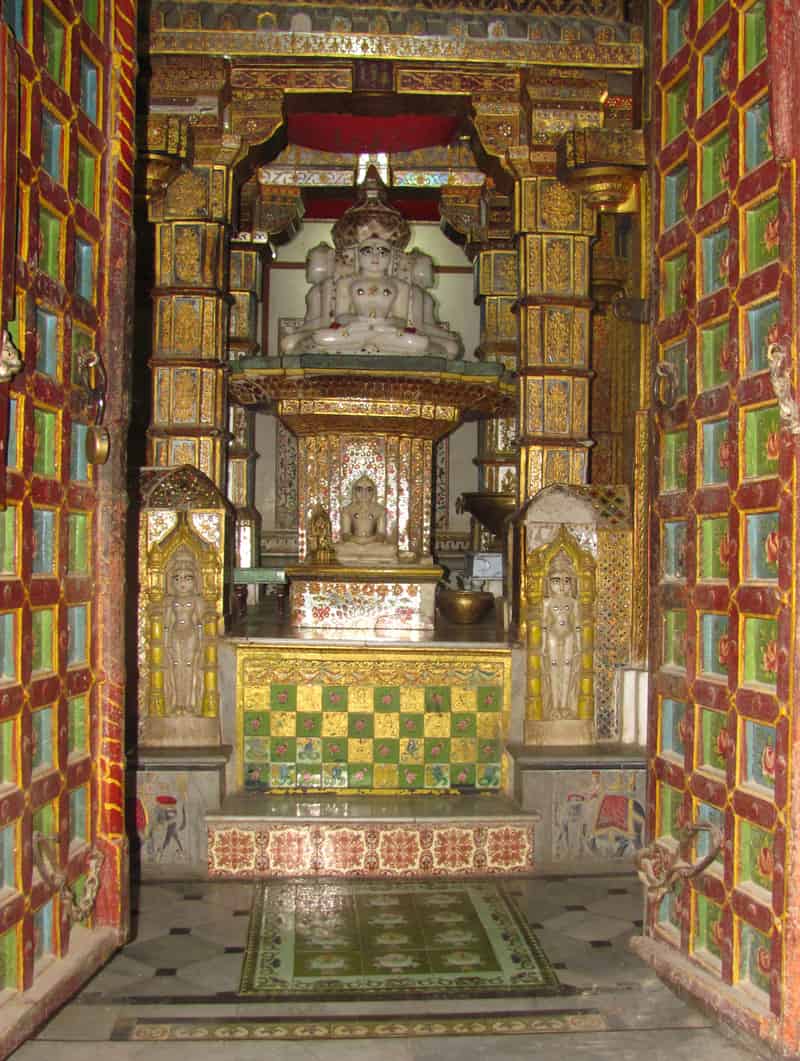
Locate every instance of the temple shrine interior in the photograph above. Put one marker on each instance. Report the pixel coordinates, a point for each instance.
(400, 478)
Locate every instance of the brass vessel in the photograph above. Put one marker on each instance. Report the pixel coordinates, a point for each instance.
(464, 606)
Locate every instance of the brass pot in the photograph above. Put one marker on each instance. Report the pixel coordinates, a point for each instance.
(464, 606)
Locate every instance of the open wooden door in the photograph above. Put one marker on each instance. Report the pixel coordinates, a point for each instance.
(724, 524)
(66, 100)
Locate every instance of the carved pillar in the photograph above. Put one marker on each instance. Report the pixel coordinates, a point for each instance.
(554, 227)
(246, 287)
(190, 319)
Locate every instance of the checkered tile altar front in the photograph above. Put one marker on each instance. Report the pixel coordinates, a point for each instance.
(372, 719)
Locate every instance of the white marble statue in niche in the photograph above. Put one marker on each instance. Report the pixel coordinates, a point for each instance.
(363, 534)
(184, 635)
(561, 640)
(368, 296)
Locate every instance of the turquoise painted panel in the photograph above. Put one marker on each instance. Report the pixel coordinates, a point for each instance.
(44, 541)
(77, 630)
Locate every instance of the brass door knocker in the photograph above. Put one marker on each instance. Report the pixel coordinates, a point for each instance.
(665, 386)
(98, 440)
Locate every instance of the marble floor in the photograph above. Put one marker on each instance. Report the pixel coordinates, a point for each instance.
(186, 954)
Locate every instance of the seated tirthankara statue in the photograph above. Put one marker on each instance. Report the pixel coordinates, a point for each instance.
(369, 297)
(364, 527)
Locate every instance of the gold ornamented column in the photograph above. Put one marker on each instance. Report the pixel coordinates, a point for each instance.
(247, 261)
(554, 228)
(190, 319)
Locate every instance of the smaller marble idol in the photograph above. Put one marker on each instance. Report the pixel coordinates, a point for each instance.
(369, 296)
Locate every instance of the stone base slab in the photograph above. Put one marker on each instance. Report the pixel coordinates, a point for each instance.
(408, 850)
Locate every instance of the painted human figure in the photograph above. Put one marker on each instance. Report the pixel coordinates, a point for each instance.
(184, 610)
(561, 640)
(363, 520)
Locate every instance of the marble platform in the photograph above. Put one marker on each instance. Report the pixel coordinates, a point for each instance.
(256, 837)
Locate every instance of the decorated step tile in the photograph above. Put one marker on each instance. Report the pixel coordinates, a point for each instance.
(674, 460)
(760, 663)
(673, 549)
(758, 756)
(755, 857)
(757, 134)
(715, 648)
(761, 544)
(716, 356)
(761, 441)
(714, 166)
(761, 328)
(762, 235)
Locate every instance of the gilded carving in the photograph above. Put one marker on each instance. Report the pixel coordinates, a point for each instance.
(559, 207)
(187, 196)
(556, 407)
(185, 385)
(185, 325)
(180, 488)
(187, 255)
(558, 337)
(557, 269)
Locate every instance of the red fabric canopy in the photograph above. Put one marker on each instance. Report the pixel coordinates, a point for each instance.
(359, 134)
(330, 208)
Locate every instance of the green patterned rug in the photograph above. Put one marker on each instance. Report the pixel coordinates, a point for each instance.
(367, 940)
(277, 1029)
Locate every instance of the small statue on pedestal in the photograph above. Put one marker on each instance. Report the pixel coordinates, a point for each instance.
(184, 636)
(561, 641)
(320, 538)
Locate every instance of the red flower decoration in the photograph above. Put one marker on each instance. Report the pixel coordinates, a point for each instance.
(724, 744)
(725, 452)
(763, 960)
(771, 236)
(771, 543)
(769, 657)
(774, 445)
(724, 651)
(766, 863)
(768, 762)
